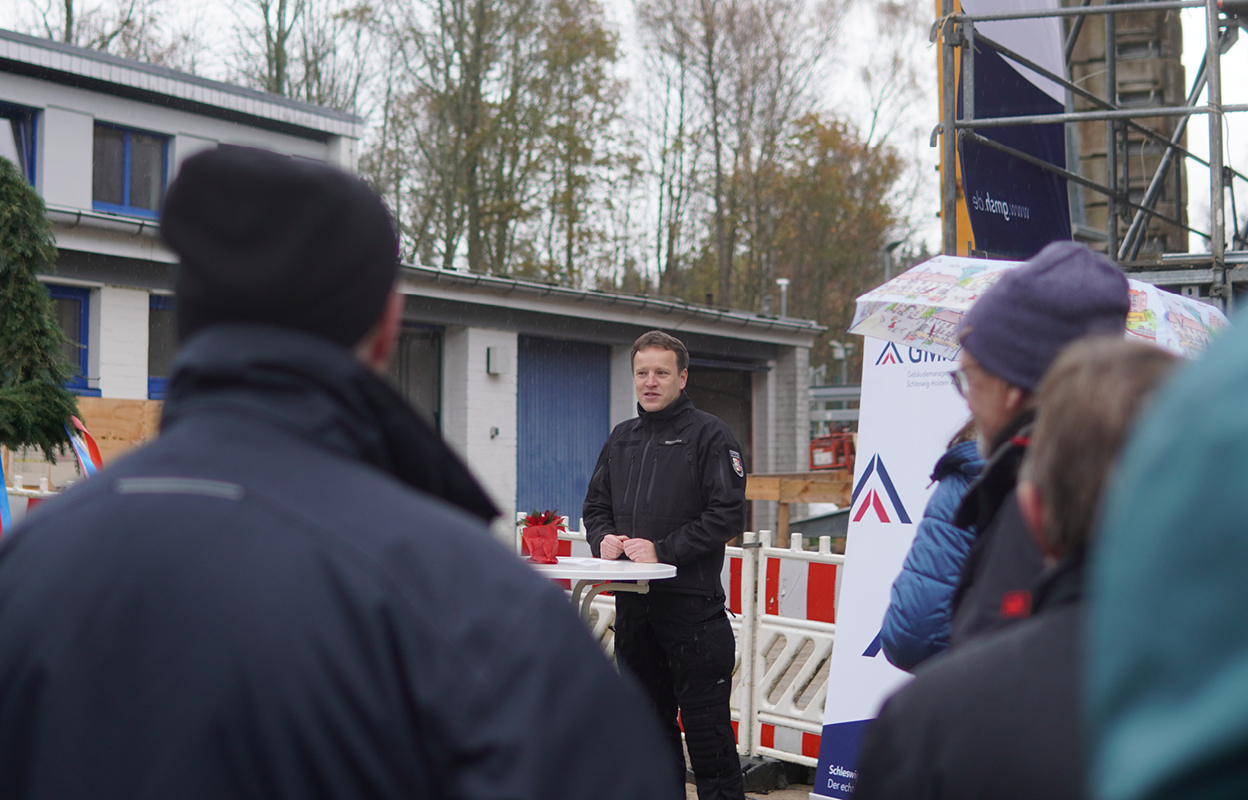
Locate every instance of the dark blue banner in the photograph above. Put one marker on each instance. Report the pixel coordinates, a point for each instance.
(838, 758)
(1015, 208)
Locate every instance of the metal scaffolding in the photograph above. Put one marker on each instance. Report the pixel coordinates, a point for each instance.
(1212, 274)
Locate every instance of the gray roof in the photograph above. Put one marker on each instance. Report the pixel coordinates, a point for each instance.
(91, 69)
(592, 303)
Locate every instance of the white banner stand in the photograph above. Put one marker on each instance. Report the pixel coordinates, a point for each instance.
(910, 410)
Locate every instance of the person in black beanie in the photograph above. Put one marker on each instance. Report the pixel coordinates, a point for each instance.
(292, 592)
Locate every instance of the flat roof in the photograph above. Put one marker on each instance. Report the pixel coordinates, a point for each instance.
(647, 310)
(123, 77)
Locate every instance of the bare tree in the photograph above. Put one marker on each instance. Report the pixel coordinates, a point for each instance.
(272, 25)
(497, 110)
(747, 67)
(669, 147)
(138, 29)
(582, 100)
(336, 54)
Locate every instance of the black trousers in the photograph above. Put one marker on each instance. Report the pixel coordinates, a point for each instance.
(681, 648)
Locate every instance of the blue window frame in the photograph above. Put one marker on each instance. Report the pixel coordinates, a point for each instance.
(17, 137)
(72, 306)
(128, 171)
(162, 344)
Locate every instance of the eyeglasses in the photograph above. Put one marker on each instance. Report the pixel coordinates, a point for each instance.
(961, 382)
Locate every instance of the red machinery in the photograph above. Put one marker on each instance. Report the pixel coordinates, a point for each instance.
(834, 451)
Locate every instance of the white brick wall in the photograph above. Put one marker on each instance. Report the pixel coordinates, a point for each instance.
(120, 342)
(792, 410)
(781, 425)
(474, 403)
(623, 393)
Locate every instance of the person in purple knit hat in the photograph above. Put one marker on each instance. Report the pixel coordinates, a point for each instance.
(1009, 338)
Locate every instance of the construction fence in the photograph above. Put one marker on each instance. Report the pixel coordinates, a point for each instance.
(783, 603)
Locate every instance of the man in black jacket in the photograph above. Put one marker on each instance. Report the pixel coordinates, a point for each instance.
(293, 593)
(1009, 338)
(1000, 717)
(669, 487)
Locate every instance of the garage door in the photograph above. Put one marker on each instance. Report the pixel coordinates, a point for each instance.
(564, 418)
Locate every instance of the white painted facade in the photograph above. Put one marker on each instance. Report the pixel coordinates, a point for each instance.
(70, 90)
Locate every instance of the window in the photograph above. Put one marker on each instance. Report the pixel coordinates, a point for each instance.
(72, 307)
(128, 171)
(162, 345)
(17, 138)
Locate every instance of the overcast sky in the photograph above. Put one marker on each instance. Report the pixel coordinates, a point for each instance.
(845, 96)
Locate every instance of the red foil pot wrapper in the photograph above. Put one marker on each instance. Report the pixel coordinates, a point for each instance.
(543, 543)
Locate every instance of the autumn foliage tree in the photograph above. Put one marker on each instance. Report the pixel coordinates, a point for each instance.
(834, 218)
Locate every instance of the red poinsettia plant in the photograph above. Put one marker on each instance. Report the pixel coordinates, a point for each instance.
(541, 535)
(547, 517)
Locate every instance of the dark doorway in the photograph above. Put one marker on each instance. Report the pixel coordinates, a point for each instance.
(416, 371)
(726, 393)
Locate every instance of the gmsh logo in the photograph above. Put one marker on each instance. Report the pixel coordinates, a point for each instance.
(872, 500)
(892, 355)
(889, 356)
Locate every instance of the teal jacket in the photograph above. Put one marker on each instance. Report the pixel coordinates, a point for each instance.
(1167, 638)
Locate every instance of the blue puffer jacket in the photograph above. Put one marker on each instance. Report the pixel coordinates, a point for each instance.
(916, 625)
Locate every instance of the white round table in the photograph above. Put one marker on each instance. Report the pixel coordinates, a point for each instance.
(621, 575)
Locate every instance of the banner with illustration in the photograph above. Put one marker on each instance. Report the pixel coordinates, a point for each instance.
(923, 308)
(910, 410)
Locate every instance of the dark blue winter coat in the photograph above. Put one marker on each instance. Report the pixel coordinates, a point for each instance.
(916, 625)
(292, 594)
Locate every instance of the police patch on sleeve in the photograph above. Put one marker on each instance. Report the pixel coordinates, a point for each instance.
(737, 465)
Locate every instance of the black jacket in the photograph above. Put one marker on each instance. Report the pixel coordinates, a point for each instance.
(994, 587)
(998, 718)
(675, 477)
(292, 594)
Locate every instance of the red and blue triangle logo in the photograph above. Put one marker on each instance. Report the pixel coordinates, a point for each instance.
(889, 356)
(872, 500)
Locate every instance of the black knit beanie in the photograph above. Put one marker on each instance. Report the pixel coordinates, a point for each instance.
(1065, 292)
(271, 239)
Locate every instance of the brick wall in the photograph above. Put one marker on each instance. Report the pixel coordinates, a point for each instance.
(474, 404)
(623, 392)
(781, 426)
(120, 341)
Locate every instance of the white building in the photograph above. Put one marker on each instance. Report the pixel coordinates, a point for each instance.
(524, 379)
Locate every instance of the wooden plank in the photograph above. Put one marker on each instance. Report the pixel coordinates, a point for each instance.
(793, 491)
(824, 486)
(812, 475)
(762, 487)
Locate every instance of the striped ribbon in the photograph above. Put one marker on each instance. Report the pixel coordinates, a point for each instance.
(6, 517)
(88, 454)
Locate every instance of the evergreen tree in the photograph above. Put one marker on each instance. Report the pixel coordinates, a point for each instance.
(34, 404)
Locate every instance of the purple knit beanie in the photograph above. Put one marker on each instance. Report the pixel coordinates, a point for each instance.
(1065, 292)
